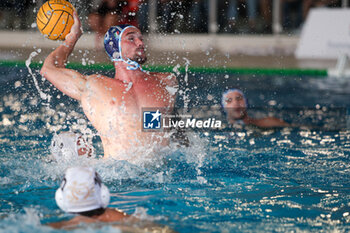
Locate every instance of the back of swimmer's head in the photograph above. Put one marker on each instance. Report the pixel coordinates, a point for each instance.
(82, 191)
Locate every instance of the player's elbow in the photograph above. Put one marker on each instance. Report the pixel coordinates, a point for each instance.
(45, 68)
(45, 71)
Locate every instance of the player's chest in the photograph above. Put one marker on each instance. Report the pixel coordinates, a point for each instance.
(153, 94)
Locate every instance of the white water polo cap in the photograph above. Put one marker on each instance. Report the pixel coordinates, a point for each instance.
(225, 94)
(66, 145)
(82, 190)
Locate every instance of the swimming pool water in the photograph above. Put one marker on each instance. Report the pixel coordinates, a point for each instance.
(292, 180)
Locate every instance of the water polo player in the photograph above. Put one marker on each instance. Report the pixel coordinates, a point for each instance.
(114, 105)
(82, 192)
(235, 106)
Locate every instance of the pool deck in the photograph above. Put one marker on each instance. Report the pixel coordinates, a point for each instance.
(200, 50)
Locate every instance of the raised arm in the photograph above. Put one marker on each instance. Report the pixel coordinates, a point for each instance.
(70, 82)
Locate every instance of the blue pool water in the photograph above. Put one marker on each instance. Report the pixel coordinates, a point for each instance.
(292, 180)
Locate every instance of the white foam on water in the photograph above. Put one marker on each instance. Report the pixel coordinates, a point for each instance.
(26, 222)
(141, 213)
(150, 168)
(32, 217)
(111, 170)
(5, 180)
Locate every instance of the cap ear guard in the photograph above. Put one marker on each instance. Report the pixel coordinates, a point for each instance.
(59, 196)
(56, 146)
(104, 195)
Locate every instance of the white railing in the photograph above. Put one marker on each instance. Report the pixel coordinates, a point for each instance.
(276, 17)
(213, 25)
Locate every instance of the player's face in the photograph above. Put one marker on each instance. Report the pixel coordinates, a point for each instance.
(235, 105)
(133, 46)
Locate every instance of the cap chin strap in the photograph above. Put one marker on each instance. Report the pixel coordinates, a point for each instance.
(132, 65)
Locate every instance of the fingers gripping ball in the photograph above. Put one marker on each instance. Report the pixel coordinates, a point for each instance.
(55, 19)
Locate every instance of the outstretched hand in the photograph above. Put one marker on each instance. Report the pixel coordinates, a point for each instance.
(75, 32)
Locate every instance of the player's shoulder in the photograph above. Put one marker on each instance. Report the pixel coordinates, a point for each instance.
(98, 80)
(101, 84)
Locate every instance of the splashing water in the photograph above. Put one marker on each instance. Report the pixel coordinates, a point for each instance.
(239, 181)
(187, 89)
(43, 95)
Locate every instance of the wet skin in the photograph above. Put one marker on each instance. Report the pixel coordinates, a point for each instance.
(114, 105)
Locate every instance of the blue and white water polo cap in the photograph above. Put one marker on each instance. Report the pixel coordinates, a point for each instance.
(112, 42)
